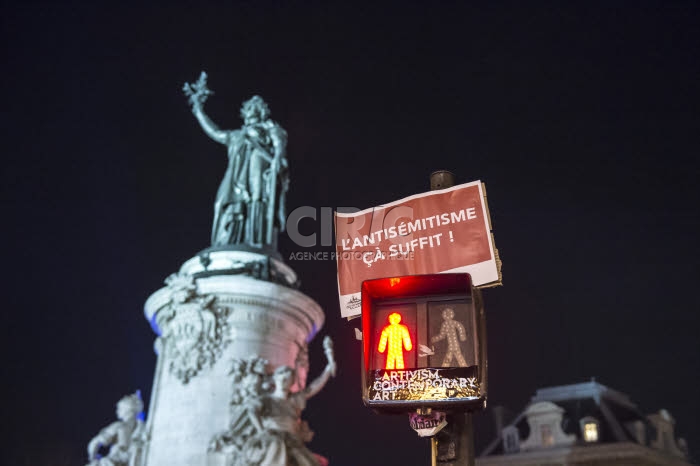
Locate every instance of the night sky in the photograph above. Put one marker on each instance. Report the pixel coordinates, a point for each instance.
(582, 122)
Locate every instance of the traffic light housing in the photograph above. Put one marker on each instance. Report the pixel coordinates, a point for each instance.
(424, 343)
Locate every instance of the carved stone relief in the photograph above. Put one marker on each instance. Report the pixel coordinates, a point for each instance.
(265, 425)
(195, 331)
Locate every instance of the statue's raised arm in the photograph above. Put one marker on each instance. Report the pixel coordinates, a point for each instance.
(198, 93)
(330, 369)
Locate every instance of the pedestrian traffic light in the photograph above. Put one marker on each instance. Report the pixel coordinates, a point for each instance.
(423, 339)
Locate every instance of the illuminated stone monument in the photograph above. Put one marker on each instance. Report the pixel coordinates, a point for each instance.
(230, 380)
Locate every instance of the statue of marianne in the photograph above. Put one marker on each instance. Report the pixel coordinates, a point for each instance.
(250, 204)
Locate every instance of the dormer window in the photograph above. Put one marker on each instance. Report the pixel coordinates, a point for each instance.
(590, 429)
(547, 436)
(545, 420)
(590, 432)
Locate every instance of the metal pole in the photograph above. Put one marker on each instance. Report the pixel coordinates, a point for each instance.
(468, 439)
(458, 435)
(441, 179)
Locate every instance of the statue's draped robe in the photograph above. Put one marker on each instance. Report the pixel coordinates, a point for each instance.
(234, 186)
(248, 180)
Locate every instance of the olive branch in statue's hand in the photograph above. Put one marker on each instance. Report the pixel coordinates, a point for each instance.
(198, 92)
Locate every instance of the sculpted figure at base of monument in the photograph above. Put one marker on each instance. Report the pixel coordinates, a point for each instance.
(124, 438)
(250, 203)
(265, 427)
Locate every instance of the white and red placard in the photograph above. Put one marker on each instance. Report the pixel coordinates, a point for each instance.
(445, 231)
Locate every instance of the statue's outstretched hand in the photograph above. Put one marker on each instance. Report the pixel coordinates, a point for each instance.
(198, 92)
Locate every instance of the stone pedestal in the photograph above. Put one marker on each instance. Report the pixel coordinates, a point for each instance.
(212, 311)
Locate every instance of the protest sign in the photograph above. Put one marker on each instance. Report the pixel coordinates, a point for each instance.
(445, 231)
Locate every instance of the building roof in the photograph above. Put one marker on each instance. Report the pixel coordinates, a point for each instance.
(569, 407)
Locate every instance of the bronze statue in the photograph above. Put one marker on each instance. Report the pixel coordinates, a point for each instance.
(250, 204)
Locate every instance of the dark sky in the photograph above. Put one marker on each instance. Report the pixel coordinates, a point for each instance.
(583, 122)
